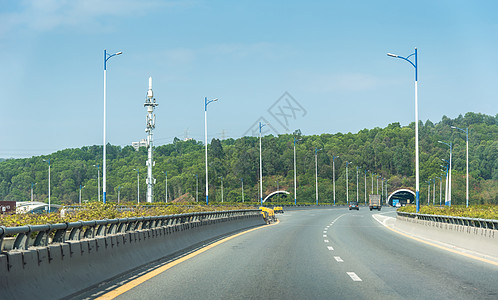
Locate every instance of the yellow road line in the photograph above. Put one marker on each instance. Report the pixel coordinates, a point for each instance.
(444, 248)
(130, 285)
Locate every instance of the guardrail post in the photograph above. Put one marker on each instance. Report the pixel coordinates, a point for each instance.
(2, 234)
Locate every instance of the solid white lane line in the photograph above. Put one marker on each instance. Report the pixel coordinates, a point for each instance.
(338, 258)
(330, 248)
(354, 276)
(325, 241)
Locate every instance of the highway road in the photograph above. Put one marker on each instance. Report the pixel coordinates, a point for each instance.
(317, 254)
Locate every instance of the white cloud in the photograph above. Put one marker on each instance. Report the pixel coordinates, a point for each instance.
(45, 15)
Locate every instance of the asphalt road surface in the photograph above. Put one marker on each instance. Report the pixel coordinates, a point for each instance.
(322, 254)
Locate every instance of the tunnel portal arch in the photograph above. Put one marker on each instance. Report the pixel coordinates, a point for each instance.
(275, 193)
(402, 196)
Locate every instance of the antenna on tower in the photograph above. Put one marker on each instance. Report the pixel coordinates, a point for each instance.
(150, 124)
(223, 134)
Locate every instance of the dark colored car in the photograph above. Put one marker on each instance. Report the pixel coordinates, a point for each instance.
(353, 205)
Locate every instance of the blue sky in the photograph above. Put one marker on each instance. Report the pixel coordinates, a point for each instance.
(329, 56)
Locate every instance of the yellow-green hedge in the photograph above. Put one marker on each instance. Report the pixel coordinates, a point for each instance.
(477, 211)
(99, 211)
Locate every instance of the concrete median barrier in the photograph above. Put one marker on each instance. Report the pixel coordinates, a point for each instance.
(62, 269)
(481, 240)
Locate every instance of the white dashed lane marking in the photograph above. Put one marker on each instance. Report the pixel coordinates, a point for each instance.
(325, 231)
(338, 259)
(324, 235)
(330, 248)
(325, 241)
(354, 276)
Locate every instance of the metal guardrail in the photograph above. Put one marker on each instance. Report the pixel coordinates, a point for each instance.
(472, 222)
(43, 235)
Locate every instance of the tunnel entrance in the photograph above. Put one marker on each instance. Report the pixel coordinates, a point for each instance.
(401, 196)
(270, 196)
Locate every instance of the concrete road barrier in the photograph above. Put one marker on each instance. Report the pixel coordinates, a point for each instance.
(477, 239)
(60, 270)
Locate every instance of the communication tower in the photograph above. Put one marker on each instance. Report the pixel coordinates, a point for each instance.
(150, 124)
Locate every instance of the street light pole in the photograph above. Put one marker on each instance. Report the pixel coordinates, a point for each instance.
(434, 192)
(261, 125)
(48, 161)
(372, 181)
(428, 191)
(377, 177)
(316, 173)
(415, 65)
(166, 186)
(107, 56)
(449, 176)
(206, 102)
(357, 190)
(80, 193)
(446, 182)
(333, 173)
(440, 189)
(295, 179)
(196, 188)
(466, 130)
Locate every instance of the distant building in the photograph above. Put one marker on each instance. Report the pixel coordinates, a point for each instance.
(141, 143)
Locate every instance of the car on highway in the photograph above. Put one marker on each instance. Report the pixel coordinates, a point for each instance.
(278, 209)
(354, 205)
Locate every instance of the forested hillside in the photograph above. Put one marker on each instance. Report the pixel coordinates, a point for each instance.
(386, 151)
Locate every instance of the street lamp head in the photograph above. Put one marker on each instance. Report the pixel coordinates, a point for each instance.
(454, 127)
(119, 53)
(392, 55)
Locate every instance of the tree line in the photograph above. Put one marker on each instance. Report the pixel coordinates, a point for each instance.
(388, 152)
